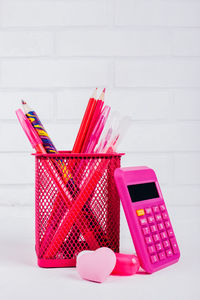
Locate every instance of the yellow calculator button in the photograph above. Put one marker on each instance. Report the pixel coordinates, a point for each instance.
(140, 212)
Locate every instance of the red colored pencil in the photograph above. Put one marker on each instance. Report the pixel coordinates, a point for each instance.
(94, 120)
(92, 124)
(85, 124)
(101, 97)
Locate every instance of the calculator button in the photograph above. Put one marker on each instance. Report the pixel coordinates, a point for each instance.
(146, 230)
(158, 218)
(161, 226)
(159, 246)
(151, 249)
(163, 235)
(154, 228)
(151, 220)
(154, 259)
(167, 224)
(174, 245)
(162, 207)
(162, 255)
(166, 244)
(169, 252)
(140, 212)
(149, 240)
(170, 233)
(143, 221)
(148, 210)
(156, 237)
(156, 209)
(165, 216)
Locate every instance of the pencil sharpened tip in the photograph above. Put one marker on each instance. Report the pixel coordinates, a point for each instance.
(94, 95)
(23, 102)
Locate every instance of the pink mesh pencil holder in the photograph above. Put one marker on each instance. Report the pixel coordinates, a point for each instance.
(77, 206)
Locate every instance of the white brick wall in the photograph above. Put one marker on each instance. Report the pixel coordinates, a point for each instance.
(158, 13)
(146, 52)
(25, 43)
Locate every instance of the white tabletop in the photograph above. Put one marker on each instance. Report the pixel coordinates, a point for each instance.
(21, 278)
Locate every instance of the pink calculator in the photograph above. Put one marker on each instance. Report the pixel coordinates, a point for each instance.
(147, 217)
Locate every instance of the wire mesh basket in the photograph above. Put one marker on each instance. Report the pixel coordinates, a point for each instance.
(77, 206)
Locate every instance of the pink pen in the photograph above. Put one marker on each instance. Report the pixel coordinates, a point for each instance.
(118, 134)
(98, 129)
(108, 131)
(30, 132)
(104, 142)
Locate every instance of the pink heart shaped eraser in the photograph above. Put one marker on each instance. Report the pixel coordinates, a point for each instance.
(96, 265)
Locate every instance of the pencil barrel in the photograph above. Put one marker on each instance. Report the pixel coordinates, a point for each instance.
(80, 214)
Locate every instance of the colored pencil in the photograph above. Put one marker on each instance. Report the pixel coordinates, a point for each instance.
(85, 124)
(94, 120)
(35, 121)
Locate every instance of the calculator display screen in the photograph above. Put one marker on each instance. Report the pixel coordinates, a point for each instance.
(143, 191)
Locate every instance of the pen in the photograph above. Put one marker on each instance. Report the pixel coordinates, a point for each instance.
(119, 133)
(108, 131)
(98, 129)
(104, 142)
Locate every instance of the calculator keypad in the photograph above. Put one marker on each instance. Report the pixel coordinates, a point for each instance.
(148, 211)
(161, 226)
(158, 233)
(159, 246)
(146, 230)
(164, 235)
(154, 258)
(154, 228)
(162, 255)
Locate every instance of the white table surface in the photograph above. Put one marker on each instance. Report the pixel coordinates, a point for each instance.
(21, 278)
